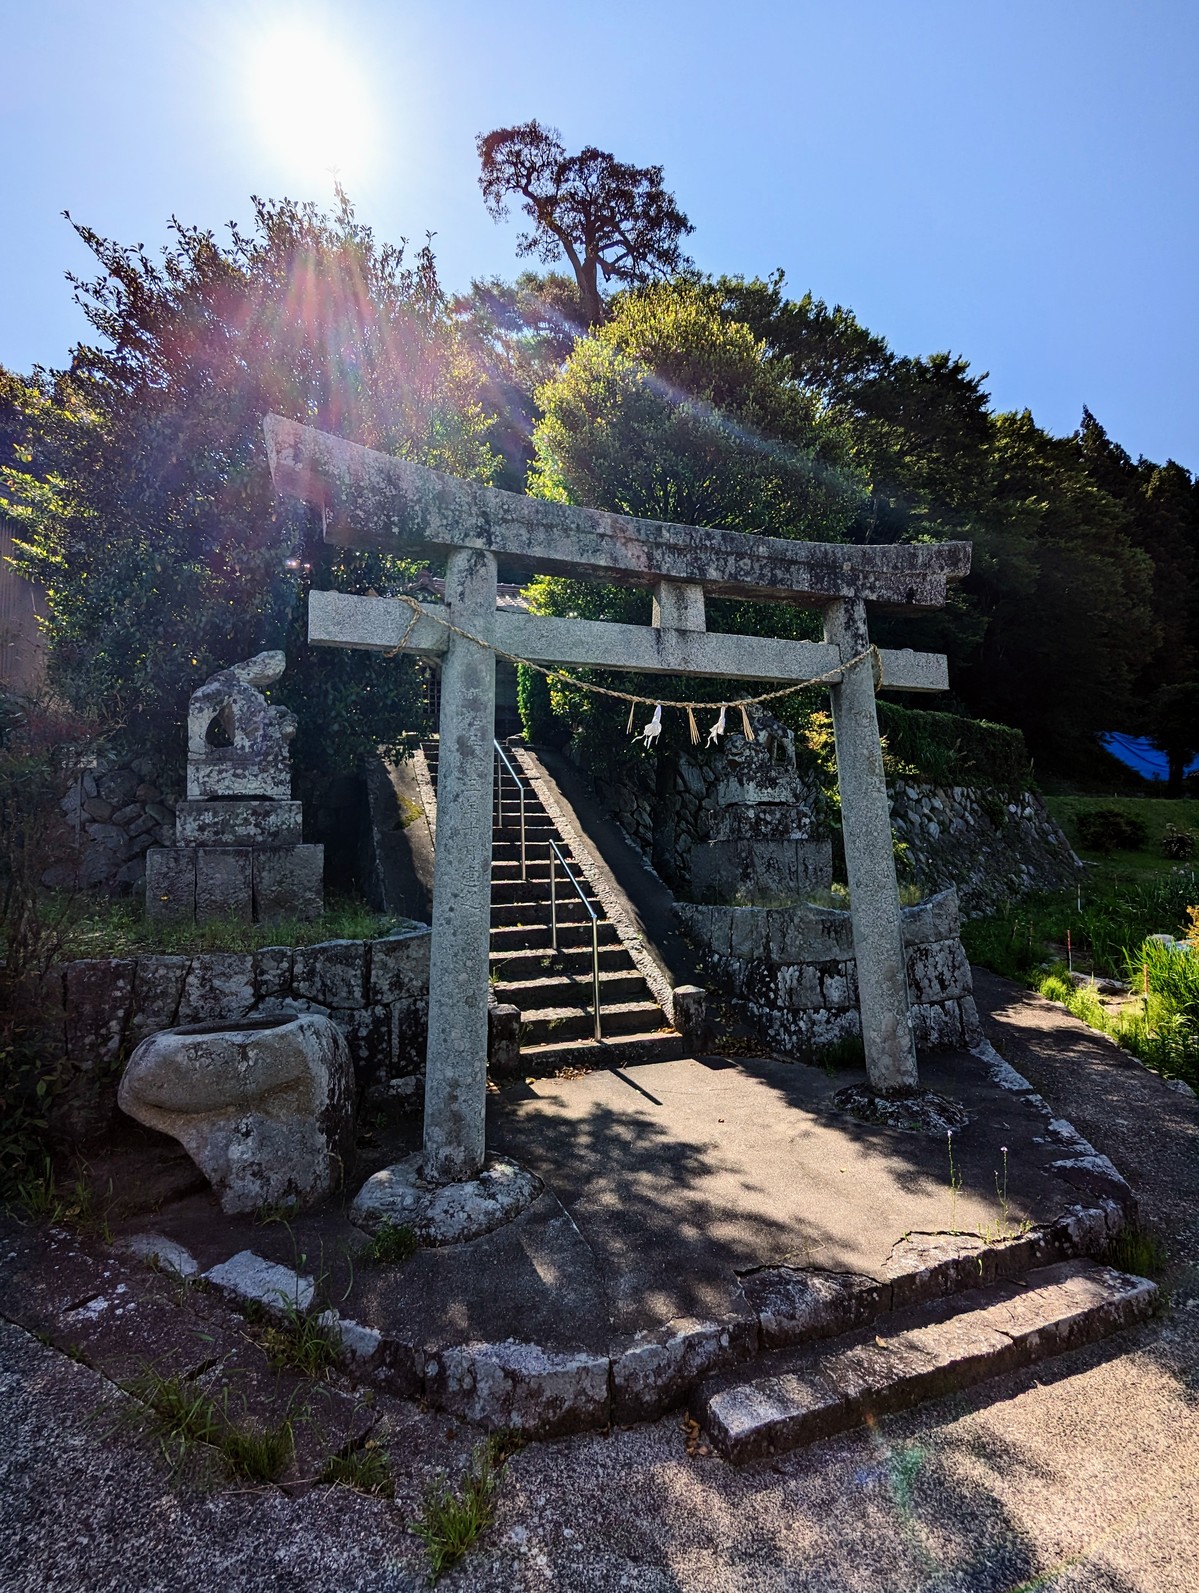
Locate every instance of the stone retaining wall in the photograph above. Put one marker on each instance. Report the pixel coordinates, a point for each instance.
(112, 815)
(93, 1012)
(992, 848)
(791, 972)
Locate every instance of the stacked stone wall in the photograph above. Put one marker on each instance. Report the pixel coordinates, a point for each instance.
(93, 1012)
(112, 816)
(791, 972)
(992, 847)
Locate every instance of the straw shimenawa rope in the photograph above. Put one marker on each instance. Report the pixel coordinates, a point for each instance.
(830, 677)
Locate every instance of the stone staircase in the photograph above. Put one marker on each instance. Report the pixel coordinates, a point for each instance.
(553, 991)
(794, 1396)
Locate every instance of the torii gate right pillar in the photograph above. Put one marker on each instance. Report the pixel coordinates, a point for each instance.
(870, 861)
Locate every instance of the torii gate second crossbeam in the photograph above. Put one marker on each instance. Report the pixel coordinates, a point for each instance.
(371, 500)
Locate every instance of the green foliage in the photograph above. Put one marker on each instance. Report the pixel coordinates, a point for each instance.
(1156, 814)
(1071, 588)
(187, 1416)
(1119, 907)
(391, 1244)
(1162, 1027)
(1110, 829)
(948, 749)
(77, 1206)
(300, 1342)
(1138, 1250)
(1177, 843)
(537, 718)
(367, 1469)
(140, 480)
(670, 413)
(453, 1518)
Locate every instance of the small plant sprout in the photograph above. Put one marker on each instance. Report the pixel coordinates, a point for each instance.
(955, 1184)
(1001, 1189)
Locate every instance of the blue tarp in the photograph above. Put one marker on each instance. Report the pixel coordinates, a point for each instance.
(1142, 755)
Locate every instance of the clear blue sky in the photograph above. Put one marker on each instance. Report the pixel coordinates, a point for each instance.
(1015, 180)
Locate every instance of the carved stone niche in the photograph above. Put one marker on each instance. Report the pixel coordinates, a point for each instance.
(237, 742)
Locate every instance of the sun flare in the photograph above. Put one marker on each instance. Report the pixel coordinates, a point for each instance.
(312, 104)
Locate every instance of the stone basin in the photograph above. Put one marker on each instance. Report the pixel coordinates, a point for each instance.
(263, 1106)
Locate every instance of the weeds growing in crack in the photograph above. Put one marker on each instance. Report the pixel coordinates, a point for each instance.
(1137, 1250)
(453, 1518)
(300, 1342)
(75, 1206)
(188, 1417)
(367, 1469)
(955, 1185)
(392, 1244)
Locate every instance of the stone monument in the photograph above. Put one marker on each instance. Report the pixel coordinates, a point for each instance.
(765, 847)
(238, 851)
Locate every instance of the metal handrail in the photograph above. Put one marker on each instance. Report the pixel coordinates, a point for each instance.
(556, 852)
(502, 757)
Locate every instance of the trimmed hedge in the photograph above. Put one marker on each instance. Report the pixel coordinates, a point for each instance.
(947, 749)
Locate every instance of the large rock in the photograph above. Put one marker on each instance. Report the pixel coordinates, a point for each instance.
(264, 1107)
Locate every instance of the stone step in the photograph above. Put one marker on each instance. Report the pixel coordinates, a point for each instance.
(550, 1025)
(534, 889)
(533, 936)
(798, 1396)
(572, 989)
(515, 966)
(538, 912)
(617, 1051)
(505, 868)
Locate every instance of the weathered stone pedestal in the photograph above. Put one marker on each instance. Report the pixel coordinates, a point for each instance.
(764, 847)
(238, 849)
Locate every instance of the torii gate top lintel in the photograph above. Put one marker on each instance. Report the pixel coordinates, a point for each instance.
(372, 500)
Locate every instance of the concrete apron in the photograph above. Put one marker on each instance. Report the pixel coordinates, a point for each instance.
(698, 1213)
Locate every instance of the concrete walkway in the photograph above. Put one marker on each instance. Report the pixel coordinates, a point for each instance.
(1081, 1475)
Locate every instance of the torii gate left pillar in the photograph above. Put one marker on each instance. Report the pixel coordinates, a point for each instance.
(456, 1059)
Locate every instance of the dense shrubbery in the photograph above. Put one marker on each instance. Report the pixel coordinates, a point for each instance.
(948, 749)
(1111, 830)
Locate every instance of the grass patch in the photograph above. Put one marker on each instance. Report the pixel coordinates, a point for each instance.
(120, 928)
(298, 1343)
(188, 1417)
(1137, 1250)
(76, 1205)
(392, 1244)
(367, 1469)
(1161, 1026)
(453, 1518)
(1112, 908)
(1156, 815)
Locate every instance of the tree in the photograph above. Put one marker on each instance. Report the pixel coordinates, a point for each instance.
(162, 549)
(609, 219)
(671, 412)
(1173, 725)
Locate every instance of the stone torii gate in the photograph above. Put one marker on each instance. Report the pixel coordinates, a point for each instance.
(373, 501)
